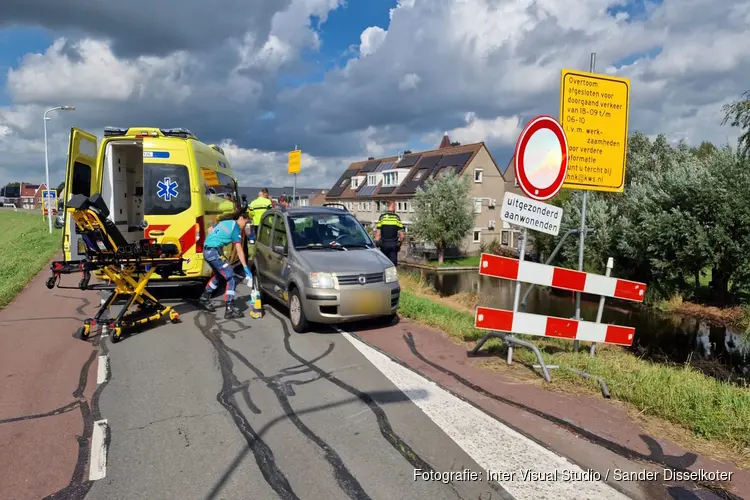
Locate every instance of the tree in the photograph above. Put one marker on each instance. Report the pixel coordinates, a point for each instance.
(737, 114)
(443, 212)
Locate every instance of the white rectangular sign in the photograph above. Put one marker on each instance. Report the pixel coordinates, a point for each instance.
(535, 215)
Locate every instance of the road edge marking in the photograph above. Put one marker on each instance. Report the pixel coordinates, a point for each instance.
(512, 487)
(102, 370)
(98, 466)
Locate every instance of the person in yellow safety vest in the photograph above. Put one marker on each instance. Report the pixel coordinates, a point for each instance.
(258, 207)
(390, 233)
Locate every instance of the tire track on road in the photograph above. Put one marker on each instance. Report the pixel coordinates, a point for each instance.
(282, 390)
(384, 425)
(79, 486)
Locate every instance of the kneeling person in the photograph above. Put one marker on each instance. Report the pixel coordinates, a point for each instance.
(224, 233)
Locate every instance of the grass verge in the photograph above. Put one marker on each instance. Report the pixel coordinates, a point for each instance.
(715, 413)
(26, 247)
(737, 317)
(460, 262)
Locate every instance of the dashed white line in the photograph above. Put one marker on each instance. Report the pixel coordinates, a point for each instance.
(491, 444)
(102, 369)
(98, 467)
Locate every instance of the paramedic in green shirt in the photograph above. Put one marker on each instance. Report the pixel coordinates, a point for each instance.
(258, 207)
(222, 234)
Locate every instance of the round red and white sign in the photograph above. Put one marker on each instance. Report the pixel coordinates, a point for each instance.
(541, 158)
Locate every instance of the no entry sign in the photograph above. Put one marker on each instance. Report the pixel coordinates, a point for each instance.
(541, 158)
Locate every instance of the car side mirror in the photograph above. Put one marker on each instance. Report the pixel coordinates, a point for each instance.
(279, 249)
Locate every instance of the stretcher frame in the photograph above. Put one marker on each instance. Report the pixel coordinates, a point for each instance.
(127, 267)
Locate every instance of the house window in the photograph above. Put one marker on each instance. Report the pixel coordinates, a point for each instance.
(421, 173)
(505, 238)
(355, 182)
(411, 208)
(350, 205)
(372, 180)
(477, 205)
(344, 183)
(390, 179)
(477, 236)
(477, 175)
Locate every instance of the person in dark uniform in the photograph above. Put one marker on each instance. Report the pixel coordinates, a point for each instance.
(390, 233)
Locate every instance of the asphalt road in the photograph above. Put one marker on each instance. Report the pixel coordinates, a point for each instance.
(248, 409)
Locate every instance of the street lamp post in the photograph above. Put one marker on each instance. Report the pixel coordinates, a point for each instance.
(46, 157)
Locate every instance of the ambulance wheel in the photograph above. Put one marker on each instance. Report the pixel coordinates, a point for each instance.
(116, 334)
(83, 332)
(174, 317)
(297, 312)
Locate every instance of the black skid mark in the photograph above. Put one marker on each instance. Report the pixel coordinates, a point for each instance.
(79, 486)
(57, 411)
(657, 456)
(264, 456)
(344, 478)
(383, 423)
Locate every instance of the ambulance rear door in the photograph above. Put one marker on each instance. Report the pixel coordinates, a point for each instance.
(82, 175)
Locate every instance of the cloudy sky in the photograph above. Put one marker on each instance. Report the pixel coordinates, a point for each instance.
(344, 80)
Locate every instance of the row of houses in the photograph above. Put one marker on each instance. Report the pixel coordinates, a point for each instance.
(366, 187)
(25, 195)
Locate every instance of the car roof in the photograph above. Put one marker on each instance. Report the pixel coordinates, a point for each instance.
(315, 211)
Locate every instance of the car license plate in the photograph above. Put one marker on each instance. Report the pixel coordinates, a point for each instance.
(369, 303)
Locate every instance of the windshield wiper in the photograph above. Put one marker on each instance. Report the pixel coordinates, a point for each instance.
(357, 245)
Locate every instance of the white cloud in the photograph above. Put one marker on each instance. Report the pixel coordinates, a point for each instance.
(409, 81)
(500, 131)
(477, 68)
(370, 40)
(254, 167)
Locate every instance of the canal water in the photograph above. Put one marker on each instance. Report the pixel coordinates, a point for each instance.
(717, 351)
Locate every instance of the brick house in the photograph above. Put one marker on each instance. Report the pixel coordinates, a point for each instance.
(28, 196)
(366, 187)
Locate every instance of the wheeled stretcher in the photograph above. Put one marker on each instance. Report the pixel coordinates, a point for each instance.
(127, 266)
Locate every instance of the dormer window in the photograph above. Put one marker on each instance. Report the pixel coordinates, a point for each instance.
(372, 179)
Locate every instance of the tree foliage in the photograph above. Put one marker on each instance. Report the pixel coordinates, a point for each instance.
(685, 211)
(737, 114)
(443, 212)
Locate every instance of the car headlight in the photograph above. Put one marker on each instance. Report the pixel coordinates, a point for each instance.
(391, 275)
(323, 280)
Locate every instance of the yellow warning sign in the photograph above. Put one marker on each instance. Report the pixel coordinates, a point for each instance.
(594, 114)
(295, 160)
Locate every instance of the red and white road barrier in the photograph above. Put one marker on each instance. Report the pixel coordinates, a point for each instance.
(559, 277)
(501, 320)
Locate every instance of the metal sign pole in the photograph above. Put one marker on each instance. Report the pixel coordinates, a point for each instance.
(517, 297)
(294, 187)
(582, 239)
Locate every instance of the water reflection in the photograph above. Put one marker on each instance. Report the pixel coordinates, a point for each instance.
(717, 351)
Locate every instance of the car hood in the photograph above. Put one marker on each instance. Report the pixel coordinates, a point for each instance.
(336, 261)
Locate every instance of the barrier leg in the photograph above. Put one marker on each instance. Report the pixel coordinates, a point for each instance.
(483, 340)
(512, 340)
(602, 383)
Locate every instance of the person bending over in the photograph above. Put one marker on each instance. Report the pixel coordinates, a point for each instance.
(221, 235)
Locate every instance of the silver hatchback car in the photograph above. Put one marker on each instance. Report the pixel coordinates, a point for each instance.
(322, 264)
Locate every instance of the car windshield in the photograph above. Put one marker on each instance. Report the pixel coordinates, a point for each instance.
(339, 231)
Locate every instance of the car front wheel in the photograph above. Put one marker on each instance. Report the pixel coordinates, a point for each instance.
(297, 313)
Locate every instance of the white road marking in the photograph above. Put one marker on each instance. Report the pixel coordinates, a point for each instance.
(98, 467)
(102, 370)
(493, 445)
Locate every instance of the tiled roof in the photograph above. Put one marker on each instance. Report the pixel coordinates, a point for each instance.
(420, 165)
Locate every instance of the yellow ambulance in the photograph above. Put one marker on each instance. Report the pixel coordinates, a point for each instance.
(157, 183)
